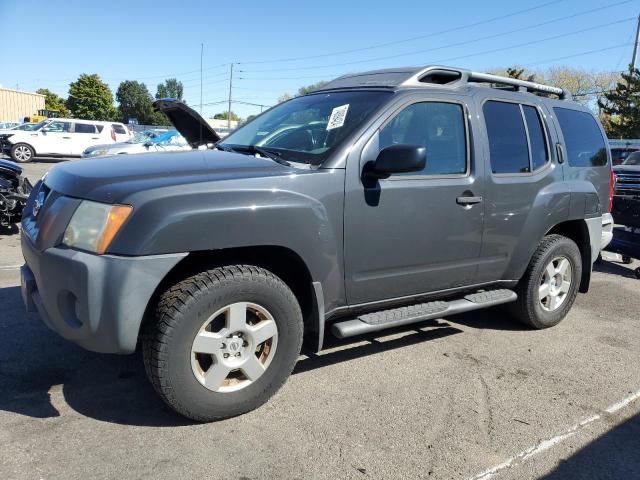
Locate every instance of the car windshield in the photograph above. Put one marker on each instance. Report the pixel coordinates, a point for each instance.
(308, 129)
(633, 159)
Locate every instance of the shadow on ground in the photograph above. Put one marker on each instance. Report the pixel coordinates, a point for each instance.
(113, 388)
(614, 455)
(614, 268)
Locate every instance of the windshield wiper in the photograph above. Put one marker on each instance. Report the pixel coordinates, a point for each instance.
(252, 150)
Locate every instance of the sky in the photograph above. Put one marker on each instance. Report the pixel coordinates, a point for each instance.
(277, 46)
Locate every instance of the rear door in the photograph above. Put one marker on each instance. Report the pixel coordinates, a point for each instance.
(84, 135)
(120, 132)
(519, 156)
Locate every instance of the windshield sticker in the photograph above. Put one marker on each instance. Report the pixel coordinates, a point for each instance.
(338, 116)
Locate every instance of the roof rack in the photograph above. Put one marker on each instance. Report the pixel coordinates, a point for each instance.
(455, 76)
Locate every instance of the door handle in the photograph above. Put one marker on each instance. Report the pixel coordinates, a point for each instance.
(468, 200)
(67, 138)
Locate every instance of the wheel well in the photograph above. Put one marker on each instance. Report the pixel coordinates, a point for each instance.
(281, 261)
(577, 231)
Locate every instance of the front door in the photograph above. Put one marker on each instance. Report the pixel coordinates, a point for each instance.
(419, 232)
(54, 139)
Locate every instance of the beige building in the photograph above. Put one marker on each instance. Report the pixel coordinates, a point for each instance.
(15, 105)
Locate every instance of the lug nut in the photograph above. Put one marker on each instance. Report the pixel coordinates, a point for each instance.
(245, 344)
(223, 346)
(226, 355)
(238, 354)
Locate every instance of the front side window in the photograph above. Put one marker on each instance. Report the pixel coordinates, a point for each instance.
(307, 129)
(439, 127)
(57, 126)
(85, 128)
(582, 137)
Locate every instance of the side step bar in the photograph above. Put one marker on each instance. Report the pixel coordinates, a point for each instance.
(373, 322)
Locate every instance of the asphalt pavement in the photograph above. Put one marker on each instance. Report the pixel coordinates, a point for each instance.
(473, 396)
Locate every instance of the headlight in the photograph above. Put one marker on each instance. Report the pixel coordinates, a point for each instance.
(96, 153)
(94, 226)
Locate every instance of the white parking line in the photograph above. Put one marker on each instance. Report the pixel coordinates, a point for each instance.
(551, 442)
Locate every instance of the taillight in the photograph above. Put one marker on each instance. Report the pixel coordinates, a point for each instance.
(113, 134)
(612, 186)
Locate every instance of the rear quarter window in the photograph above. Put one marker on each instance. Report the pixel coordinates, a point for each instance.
(118, 128)
(583, 139)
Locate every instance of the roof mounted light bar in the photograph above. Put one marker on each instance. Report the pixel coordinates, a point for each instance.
(439, 75)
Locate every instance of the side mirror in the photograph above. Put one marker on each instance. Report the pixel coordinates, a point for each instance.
(397, 159)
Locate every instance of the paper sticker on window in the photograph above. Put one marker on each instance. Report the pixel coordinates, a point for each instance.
(338, 116)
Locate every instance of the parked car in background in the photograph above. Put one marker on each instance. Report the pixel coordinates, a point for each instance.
(19, 127)
(626, 199)
(168, 141)
(60, 137)
(8, 125)
(620, 154)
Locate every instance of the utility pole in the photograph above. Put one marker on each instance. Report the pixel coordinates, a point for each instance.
(201, 55)
(635, 46)
(230, 87)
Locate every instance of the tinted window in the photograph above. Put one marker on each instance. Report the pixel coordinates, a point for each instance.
(539, 154)
(507, 137)
(85, 128)
(100, 128)
(118, 128)
(437, 126)
(582, 137)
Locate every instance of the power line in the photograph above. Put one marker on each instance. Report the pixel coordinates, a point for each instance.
(580, 54)
(411, 39)
(441, 47)
(524, 44)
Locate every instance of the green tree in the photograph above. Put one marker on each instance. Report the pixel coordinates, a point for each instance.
(517, 73)
(622, 106)
(135, 100)
(225, 116)
(311, 88)
(170, 88)
(53, 102)
(91, 99)
(302, 91)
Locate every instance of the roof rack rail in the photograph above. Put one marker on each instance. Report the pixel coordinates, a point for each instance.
(450, 76)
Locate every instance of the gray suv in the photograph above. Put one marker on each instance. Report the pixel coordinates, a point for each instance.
(383, 199)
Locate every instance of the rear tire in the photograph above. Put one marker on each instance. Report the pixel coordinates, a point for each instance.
(22, 153)
(548, 288)
(223, 341)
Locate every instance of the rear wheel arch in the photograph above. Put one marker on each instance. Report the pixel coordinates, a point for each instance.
(578, 232)
(281, 261)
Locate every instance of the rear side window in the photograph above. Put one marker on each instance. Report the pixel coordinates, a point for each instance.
(507, 137)
(100, 128)
(539, 154)
(85, 128)
(517, 139)
(582, 137)
(118, 128)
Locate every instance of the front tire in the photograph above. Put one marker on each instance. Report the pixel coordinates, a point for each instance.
(22, 153)
(549, 287)
(223, 341)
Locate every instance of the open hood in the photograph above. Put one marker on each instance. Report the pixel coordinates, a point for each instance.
(187, 121)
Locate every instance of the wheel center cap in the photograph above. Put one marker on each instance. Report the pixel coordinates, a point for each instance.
(234, 346)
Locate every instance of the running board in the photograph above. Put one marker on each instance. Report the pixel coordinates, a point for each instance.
(372, 322)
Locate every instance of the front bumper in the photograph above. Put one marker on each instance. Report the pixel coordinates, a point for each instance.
(96, 301)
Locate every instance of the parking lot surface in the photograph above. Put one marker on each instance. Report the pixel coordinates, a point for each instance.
(472, 396)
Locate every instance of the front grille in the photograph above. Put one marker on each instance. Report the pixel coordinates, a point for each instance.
(628, 184)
